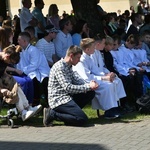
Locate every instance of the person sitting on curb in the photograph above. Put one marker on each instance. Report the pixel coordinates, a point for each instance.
(10, 91)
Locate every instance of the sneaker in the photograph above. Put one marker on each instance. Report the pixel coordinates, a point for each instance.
(47, 119)
(35, 109)
(26, 114)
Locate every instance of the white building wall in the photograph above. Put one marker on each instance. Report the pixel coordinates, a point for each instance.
(114, 5)
(107, 5)
(62, 5)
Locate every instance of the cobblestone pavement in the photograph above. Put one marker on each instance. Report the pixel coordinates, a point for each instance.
(134, 135)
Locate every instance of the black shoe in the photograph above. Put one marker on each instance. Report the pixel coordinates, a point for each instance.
(120, 111)
(129, 109)
(111, 114)
(47, 119)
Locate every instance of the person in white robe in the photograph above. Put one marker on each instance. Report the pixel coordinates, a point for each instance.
(109, 91)
(33, 63)
(141, 60)
(124, 63)
(99, 64)
(140, 57)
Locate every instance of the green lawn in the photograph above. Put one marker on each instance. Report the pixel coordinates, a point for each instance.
(92, 114)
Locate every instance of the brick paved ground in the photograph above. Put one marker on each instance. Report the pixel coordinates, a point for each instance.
(134, 135)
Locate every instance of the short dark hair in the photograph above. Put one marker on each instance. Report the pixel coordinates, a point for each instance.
(79, 26)
(63, 22)
(25, 35)
(134, 15)
(116, 37)
(99, 37)
(36, 2)
(30, 29)
(145, 32)
(74, 50)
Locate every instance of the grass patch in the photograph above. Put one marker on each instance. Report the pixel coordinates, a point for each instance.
(37, 120)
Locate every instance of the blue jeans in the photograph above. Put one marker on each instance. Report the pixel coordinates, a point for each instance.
(71, 113)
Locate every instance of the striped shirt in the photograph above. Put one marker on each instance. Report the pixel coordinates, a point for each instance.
(47, 48)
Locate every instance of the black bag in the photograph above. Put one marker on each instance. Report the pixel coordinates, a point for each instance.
(144, 104)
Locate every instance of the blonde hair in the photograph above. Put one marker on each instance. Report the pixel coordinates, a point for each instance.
(86, 43)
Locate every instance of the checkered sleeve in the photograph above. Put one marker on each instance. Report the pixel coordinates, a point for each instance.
(65, 79)
(77, 79)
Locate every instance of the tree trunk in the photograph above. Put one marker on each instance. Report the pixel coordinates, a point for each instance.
(87, 10)
(3, 8)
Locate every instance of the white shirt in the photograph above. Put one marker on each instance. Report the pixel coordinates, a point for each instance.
(47, 48)
(141, 56)
(123, 60)
(119, 64)
(62, 42)
(129, 58)
(25, 18)
(33, 63)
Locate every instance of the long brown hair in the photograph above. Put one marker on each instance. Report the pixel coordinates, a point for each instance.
(13, 52)
(4, 38)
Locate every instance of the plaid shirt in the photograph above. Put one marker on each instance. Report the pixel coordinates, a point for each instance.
(63, 83)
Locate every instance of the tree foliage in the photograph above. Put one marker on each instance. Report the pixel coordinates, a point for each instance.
(3, 8)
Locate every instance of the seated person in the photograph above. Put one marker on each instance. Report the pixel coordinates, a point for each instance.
(146, 42)
(63, 39)
(24, 81)
(110, 88)
(67, 92)
(33, 63)
(46, 45)
(31, 31)
(131, 75)
(141, 60)
(140, 57)
(80, 30)
(10, 56)
(108, 60)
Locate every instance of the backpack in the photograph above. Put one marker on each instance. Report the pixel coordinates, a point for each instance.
(144, 104)
(9, 83)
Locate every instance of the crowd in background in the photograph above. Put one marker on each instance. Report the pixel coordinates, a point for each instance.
(44, 40)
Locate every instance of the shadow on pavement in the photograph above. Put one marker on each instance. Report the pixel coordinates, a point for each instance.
(50, 146)
(37, 121)
(128, 118)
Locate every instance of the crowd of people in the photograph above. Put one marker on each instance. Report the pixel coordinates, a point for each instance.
(60, 59)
